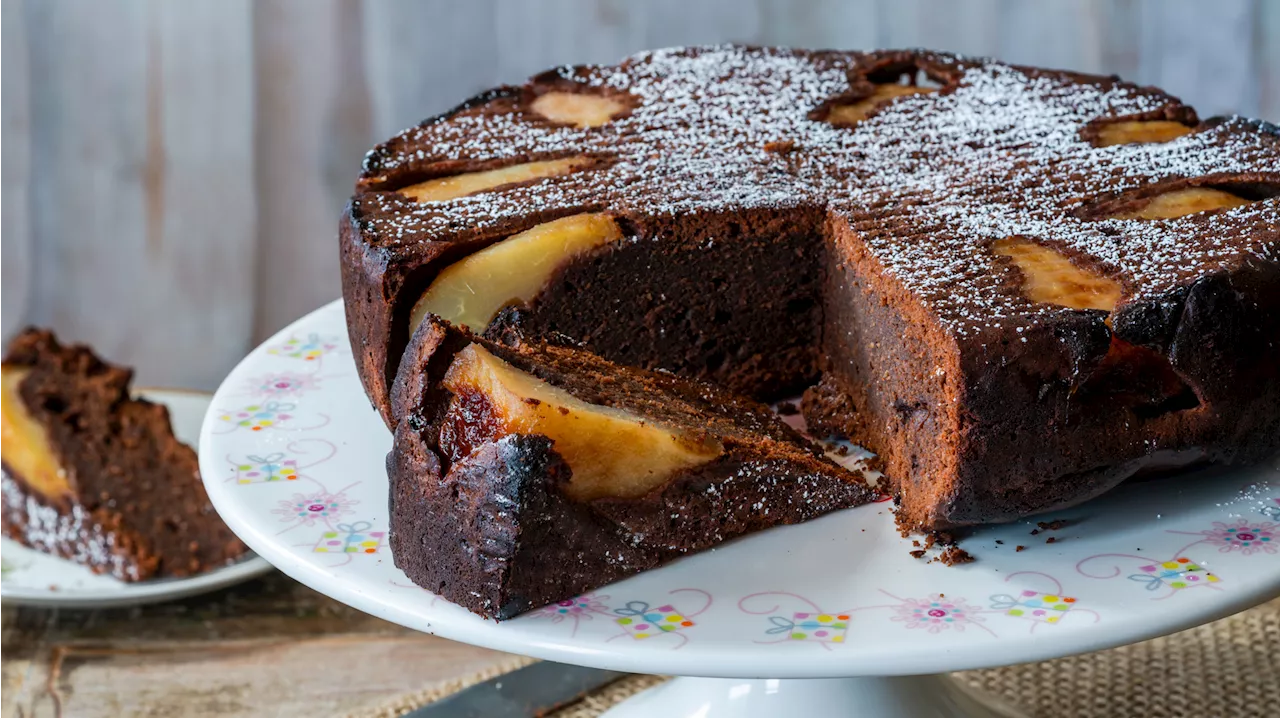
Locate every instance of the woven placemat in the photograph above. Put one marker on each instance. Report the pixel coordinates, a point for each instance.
(1226, 668)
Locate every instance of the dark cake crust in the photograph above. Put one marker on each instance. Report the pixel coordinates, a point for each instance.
(490, 536)
(137, 508)
(983, 405)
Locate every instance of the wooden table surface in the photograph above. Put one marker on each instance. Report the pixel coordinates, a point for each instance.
(269, 647)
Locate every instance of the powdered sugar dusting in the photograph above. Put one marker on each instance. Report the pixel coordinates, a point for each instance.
(928, 182)
(72, 534)
(1002, 155)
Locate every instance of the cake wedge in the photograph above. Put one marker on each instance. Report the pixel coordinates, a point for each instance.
(95, 476)
(528, 472)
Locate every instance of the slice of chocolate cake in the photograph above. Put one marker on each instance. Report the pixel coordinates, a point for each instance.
(526, 474)
(97, 477)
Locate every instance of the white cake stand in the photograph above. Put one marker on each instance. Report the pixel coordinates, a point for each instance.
(293, 459)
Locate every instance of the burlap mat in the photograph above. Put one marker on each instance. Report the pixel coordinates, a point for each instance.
(1227, 668)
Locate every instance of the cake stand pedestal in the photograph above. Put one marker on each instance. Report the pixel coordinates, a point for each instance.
(865, 697)
(831, 617)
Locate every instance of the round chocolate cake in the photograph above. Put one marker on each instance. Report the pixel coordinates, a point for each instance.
(1018, 286)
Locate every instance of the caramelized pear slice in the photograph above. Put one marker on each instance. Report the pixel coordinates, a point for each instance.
(444, 188)
(1131, 373)
(577, 108)
(1049, 277)
(858, 111)
(472, 291)
(1182, 202)
(24, 444)
(611, 452)
(1138, 131)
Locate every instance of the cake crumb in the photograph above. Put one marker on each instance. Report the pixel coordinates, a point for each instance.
(1000, 542)
(918, 553)
(1020, 548)
(780, 147)
(1051, 539)
(954, 556)
(875, 463)
(1035, 532)
(531, 401)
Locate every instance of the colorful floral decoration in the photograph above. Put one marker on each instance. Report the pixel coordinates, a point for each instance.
(1177, 574)
(1245, 536)
(811, 623)
(805, 626)
(311, 348)
(1033, 605)
(937, 613)
(257, 417)
(265, 469)
(283, 385)
(287, 465)
(577, 608)
(640, 621)
(574, 610)
(350, 538)
(321, 507)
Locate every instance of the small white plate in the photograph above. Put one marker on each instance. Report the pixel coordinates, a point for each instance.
(33, 578)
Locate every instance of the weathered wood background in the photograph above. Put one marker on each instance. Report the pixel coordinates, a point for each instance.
(173, 170)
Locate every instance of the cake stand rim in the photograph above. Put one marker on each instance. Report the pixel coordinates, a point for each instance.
(731, 663)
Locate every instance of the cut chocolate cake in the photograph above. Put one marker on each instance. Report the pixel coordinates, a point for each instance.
(1018, 286)
(526, 474)
(97, 477)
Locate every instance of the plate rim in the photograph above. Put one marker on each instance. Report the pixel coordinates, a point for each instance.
(136, 593)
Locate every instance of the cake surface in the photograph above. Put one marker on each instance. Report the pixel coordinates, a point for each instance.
(526, 474)
(97, 477)
(1018, 286)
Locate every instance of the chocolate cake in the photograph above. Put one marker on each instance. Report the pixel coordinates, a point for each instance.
(526, 474)
(97, 477)
(1019, 286)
